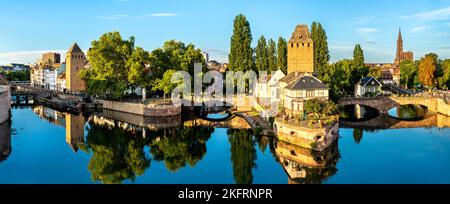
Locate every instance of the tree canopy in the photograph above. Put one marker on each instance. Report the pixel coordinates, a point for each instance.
(321, 52)
(241, 52)
(282, 55)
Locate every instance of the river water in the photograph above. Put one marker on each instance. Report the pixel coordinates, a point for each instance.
(43, 146)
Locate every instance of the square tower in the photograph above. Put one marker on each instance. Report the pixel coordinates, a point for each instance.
(301, 51)
(75, 62)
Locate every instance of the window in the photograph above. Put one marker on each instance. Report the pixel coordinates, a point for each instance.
(292, 44)
(310, 94)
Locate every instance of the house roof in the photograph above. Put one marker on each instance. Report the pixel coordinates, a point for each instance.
(3, 80)
(366, 80)
(306, 82)
(290, 77)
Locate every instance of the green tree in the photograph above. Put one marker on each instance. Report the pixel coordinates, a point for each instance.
(408, 71)
(109, 73)
(165, 84)
(139, 71)
(262, 55)
(444, 80)
(241, 52)
(321, 52)
(358, 56)
(243, 155)
(282, 55)
(272, 55)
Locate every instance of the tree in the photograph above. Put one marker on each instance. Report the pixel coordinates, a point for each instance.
(139, 72)
(358, 57)
(427, 69)
(262, 57)
(165, 84)
(272, 55)
(282, 55)
(375, 72)
(408, 71)
(444, 80)
(321, 52)
(241, 52)
(109, 73)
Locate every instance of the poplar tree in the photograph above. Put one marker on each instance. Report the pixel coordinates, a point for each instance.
(241, 52)
(321, 52)
(262, 59)
(358, 56)
(272, 55)
(282, 55)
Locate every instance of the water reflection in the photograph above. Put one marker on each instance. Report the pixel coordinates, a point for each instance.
(117, 154)
(409, 112)
(149, 150)
(181, 146)
(5, 140)
(243, 155)
(358, 113)
(305, 166)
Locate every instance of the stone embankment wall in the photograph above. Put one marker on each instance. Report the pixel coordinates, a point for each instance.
(152, 110)
(5, 103)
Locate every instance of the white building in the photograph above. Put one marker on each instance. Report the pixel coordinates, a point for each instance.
(368, 86)
(268, 87)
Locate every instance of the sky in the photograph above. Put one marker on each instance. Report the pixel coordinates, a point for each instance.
(29, 28)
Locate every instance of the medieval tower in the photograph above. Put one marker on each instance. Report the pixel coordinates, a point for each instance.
(301, 51)
(75, 61)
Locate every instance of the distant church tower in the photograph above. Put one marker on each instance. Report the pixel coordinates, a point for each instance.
(75, 62)
(401, 55)
(301, 51)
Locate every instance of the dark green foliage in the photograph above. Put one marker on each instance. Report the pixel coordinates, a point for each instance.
(243, 155)
(241, 52)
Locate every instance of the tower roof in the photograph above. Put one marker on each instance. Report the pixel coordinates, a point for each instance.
(301, 34)
(75, 48)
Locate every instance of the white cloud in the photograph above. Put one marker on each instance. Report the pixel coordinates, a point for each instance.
(367, 30)
(420, 28)
(438, 14)
(162, 14)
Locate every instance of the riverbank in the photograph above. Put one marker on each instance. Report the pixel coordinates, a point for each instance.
(5, 104)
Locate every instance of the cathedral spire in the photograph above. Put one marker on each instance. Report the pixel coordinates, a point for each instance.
(400, 38)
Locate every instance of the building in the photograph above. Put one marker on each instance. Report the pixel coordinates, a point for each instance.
(297, 88)
(51, 57)
(206, 56)
(301, 51)
(5, 99)
(368, 86)
(43, 76)
(401, 55)
(268, 87)
(15, 67)
(399, 58)
(75, 62)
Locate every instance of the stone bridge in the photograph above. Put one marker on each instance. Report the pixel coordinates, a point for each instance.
(384, 104)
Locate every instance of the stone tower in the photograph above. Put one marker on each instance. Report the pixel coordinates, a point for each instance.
(75, 61)
(301, 51)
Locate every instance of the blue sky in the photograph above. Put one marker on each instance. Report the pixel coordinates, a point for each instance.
(30, 27)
